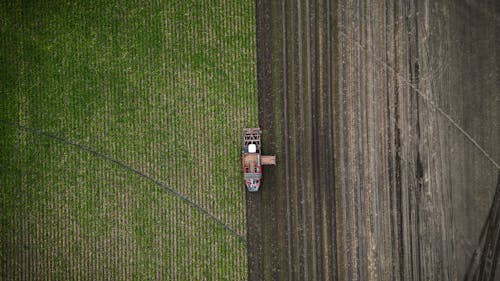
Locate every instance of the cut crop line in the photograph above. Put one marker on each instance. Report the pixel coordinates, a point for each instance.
(101, 155)
(286, 139)
(425, 98)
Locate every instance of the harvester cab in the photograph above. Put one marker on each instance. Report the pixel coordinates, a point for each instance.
(253, 160)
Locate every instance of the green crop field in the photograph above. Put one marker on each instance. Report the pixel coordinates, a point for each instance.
(120, 131)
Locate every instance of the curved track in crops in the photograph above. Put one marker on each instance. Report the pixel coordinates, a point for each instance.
(129, 168)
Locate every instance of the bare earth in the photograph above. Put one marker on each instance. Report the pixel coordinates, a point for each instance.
(385, 119)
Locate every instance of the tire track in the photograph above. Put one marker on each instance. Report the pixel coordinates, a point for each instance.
(485, 259)
(101, 155)
(302, 212)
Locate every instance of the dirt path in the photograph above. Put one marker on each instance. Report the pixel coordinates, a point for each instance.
(380, 175)
(292, 229)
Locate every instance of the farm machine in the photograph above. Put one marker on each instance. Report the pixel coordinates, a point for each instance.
(253, 160)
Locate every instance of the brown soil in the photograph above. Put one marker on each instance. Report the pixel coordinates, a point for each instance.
(379, 175)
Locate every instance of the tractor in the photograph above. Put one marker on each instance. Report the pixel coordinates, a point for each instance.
(253, 160)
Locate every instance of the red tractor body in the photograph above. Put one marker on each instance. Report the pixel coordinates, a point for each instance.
(253, 160)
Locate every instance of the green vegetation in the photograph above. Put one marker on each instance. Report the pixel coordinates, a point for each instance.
(162, 88)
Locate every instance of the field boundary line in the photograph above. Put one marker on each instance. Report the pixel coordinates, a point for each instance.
(106, 157)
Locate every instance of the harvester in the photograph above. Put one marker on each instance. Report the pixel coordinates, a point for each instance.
(253, 160)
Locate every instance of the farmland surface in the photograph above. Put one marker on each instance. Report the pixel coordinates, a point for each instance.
(384, 116)
(120, 127)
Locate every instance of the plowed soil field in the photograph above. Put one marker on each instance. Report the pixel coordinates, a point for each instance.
(381, 173)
